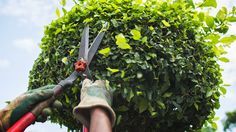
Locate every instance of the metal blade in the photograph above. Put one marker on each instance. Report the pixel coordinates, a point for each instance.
(69, 80)
(94, 46)
(88, 74)
(83, 50)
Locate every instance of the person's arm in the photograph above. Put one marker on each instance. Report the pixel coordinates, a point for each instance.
(94, 111)
(100, 121)
(24, 104)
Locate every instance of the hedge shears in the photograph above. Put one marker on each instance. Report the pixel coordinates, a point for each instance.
(85, 57)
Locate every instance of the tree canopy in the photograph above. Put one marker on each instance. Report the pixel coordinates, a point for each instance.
(230, 121)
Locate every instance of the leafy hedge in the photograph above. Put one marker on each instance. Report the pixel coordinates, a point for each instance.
(160, 57)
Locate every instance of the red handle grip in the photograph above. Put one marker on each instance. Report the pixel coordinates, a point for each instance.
(85, 129)
(23, 123)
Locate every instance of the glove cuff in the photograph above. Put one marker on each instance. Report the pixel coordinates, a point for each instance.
(82, 111)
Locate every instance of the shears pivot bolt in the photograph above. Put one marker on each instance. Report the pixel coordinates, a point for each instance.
(80, 66)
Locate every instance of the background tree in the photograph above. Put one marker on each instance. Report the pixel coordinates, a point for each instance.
(160, 57)
(230, 121)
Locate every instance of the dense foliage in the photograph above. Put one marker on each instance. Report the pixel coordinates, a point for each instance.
(230, 121)
(160, 57)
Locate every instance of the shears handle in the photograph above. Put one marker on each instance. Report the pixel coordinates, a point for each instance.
(23, 123)
(30, 117)
(85, 129)
(27, 120)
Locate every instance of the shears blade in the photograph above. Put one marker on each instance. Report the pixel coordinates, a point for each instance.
(83, 50)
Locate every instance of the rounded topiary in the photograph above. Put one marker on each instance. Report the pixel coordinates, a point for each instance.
(165, 76)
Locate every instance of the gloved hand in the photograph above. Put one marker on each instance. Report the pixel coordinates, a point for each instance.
(93, 95)
(24, 104)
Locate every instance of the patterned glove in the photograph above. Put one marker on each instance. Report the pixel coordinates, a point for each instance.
(93, 95)
(24, 104)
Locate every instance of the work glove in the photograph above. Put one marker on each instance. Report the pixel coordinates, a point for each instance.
(93, 95)
(24, 104)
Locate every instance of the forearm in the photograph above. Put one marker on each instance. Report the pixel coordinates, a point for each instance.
(94, 110)
(100, 121)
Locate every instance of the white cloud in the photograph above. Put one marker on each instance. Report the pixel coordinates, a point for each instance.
(28, 11)
(4, 63)
(26, 44)
(37, 12)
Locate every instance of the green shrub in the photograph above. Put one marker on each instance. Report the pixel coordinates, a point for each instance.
(160, 57)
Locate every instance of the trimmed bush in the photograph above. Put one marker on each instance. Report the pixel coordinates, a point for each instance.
(155, 54)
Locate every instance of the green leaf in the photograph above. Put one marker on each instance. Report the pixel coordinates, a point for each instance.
(118, 119)
(165, 23)
(105, 51)
(102, 0)
(154, 114)
(118, 1)
(209, 21)
(136, 34)
(67, 99)
(209, 93)
(64, 11)
(122, 42)
(216, 118)
(139, 93)
(122, 108)
(151, 28)
(75, 90)
(224, 59)
(112, 70)
(122, 74)
(143, 105)
(46, 60)
(218, 50)
(161, 104)
(223, 90)
(168, 94)
(63, 2)
(87, 20)
(201, 16)
(191, 3)
(64, 60)
(58, 31)
(209, 3)
(130, 95)
(228, 40)
(58, 12)
(71, 51)
(114, 22)
(196, 106)
(226, 85)
(138, 2)
(231, 19)
(214, 125)
(213, 38)
(222, 14)
(234, 10)
(144, 40)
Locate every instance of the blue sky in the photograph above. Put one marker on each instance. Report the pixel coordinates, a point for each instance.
(21, 28)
